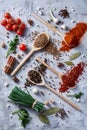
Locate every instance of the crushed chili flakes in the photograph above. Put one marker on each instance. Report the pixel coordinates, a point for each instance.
(70, 78)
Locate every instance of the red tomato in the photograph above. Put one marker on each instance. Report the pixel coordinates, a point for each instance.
(22, 26)
(9, 27)
(7, 15)
(18, 21)
(19, 31)
(22, 47)
(4, 22)
(15, 27)
(11, 21)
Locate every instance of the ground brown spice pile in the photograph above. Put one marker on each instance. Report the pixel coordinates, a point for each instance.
(52, 49)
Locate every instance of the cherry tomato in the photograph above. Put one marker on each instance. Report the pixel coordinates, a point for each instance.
(7, 15)
(9, 27)
(4, 22)
(15, 27)
(22, 26)
(18, 21)
(22, 47)
(11, 21)
(19, 31)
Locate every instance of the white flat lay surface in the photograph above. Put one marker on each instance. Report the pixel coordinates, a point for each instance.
(76, 120)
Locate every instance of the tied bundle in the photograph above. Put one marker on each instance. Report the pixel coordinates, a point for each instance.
(20, 97)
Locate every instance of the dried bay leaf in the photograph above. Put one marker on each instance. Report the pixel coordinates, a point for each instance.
(69, 63)
(43, 118)
(51, 111)
(75, 55)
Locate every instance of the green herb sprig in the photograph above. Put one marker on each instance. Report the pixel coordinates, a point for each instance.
(76, 95)
(12, 46)
(23, 116)
(22, 98)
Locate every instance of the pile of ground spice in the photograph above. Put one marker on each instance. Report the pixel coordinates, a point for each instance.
(64, 13)
(70, 78)
(73, 37)
(52, 49)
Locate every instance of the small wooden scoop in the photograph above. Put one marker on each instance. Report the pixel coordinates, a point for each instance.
(35, 48)
(43, 83)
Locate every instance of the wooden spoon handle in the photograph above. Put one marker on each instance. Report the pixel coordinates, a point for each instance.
(47, 24)
(22, 62)
(49, 67)
(62, 97)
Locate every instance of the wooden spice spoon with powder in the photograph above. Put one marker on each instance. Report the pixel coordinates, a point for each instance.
(68, 39)
(36, 78)
(39, 43)
(69, 79)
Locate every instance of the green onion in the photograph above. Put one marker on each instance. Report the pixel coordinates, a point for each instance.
(20, 97)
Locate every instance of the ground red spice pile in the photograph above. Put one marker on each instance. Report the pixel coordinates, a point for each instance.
(73, 36)
(70, 78)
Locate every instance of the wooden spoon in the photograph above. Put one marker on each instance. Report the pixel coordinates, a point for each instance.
(34, 49)
(55, 30)
(43, 83)
(60, 75)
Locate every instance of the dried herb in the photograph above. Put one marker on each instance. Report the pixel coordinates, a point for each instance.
(75, 55)
(30, 22)
(43, 119)
(69, 63)
(64, 13)
(23, 116)
(54, 110)
(76, 95)
(51, 111)
(34, 76)
(12, 46)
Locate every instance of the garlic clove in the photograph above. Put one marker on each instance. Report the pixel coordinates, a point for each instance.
(35, 90)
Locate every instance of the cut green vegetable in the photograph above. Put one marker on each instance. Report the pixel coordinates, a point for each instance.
(12, 46)
(75, 55)
(23, 116)
(20, 97)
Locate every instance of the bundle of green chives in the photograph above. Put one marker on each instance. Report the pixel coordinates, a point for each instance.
(20, 97)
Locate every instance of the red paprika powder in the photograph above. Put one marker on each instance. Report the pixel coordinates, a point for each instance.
(73, 37)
